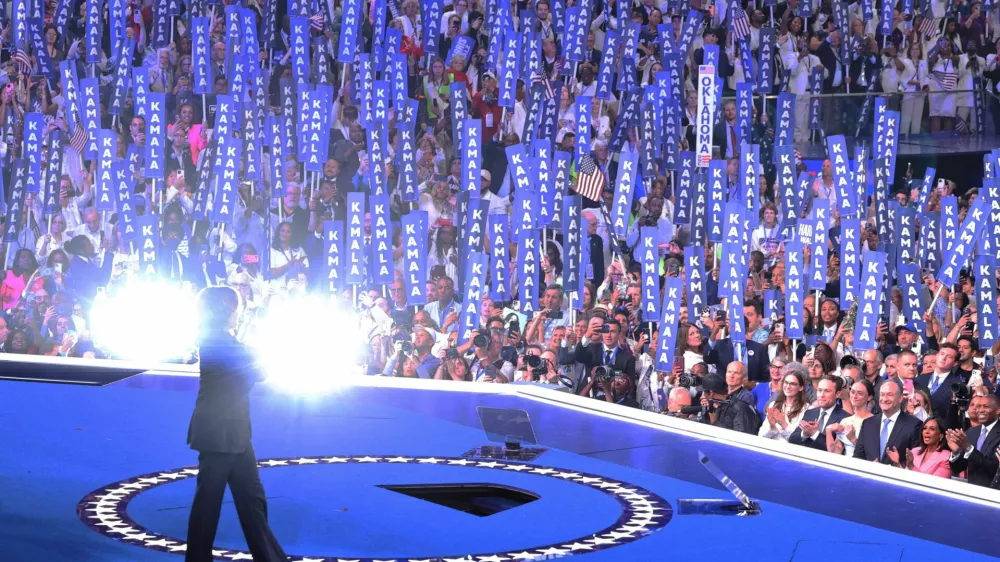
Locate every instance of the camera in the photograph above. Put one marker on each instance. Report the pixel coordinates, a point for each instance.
(554, 314)
(606, 329)
(532, 361)
(605, 373)
(481, 340)
(404, 345)
(963, 396)
(451, 353)
(689, 380)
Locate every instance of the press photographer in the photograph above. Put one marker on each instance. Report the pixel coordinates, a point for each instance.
(720, 410)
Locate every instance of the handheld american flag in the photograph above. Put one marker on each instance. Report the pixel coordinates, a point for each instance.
(739, 23)
(590, 181)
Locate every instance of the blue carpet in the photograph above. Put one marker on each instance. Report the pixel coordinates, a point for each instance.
(62, 442)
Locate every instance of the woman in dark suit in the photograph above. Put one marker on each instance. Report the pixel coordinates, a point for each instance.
(220, 432)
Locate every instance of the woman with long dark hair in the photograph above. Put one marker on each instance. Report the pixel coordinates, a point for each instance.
(15, 278)
(220, 432)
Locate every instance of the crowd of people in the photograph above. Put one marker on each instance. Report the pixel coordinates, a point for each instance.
(103, 187)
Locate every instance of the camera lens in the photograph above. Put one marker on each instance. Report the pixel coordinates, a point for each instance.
(480, 340)
(532, 361)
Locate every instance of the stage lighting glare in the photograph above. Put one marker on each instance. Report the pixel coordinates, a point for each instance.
(307, 344)
(146, 320)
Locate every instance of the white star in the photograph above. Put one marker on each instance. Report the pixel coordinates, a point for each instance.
(524, 555)
(111, 524)
(161, 542)
(567, 474)
(309, 560)
(430, 460)
(140, 537)
(150, 480)
(346, 560)
(178, 548)
(543, 471)
(305, 461)
(462, 462)
(578, 546)
(334, 459)
(135, 486)
(368, 459)
(517, 467)
(110, 497)
(170, 475)
(552, 552)
(598, 540)
(240, 556)
(275, 463)
(490, 464)
(398, 459)
(617, 536)
(123, 531)
(493, 558)
(625, 491)
(634, 528)
(606, 485)
(588, 480)
(101, 511)
(634, 498)
(220, 553)
(450, 560)
(191, 471)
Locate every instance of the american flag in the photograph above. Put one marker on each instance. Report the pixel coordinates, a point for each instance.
(541, 78)
(590, 181)
(928, 26)
(739, 23)
(946, 80)
(79, 139)
(317, 22)
(22, 59)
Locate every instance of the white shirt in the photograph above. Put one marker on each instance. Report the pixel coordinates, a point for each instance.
(824, 414)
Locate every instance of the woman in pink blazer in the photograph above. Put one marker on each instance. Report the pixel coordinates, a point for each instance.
(932, 458)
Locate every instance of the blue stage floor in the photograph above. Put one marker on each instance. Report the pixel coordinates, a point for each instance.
(63, 442)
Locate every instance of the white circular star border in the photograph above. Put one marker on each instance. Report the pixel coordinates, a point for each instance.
(106, 511)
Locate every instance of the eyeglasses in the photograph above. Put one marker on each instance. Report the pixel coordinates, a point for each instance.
(790, 383)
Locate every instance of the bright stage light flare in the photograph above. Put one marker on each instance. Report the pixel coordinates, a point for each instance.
(146, 320)
(307, 344)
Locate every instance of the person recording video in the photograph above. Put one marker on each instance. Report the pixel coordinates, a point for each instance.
(220, 432)
(720, 410)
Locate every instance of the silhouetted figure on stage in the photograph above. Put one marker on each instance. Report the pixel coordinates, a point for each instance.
(220, 432)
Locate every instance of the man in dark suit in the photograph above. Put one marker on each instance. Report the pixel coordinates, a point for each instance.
(758, 363)
(726, 134)
(220, 432)
(811, 431)
(609, 354)
(938, 384)
(889, 431)
(976, 449)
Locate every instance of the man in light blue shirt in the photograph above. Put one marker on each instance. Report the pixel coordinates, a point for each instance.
(444, 305)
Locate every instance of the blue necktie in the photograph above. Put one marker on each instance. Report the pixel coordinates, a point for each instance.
(935, 383)
(883, 439)
(982, 439)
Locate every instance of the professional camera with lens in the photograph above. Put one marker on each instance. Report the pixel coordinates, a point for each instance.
(605, 373)
(688, 380)
(481, 339)
(536, 365)
(963, 396)
(508, 353)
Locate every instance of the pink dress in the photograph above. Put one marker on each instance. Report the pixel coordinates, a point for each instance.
(935, 463)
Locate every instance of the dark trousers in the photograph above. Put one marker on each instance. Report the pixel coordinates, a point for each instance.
(239, 471)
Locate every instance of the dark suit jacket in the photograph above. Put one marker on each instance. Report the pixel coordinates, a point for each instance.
(797, 438)
(982, 464)
(221, 419)
(905, 434)
(592, 355)
(720, 138)
(941, 399)
(760, 364)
